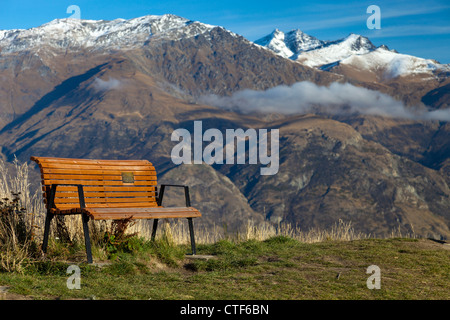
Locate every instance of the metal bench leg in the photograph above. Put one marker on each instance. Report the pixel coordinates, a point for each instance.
(87, 240)
(155, 226)
(191, 232)
(48, 219)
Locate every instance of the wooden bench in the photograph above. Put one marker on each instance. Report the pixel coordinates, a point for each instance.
(106, 190)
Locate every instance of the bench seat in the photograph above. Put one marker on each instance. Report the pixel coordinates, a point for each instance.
(132, 213)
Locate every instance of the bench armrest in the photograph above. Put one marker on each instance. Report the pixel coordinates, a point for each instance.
(51, 198)
(186, 193)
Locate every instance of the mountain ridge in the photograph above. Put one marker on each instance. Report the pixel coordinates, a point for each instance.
(114, 34)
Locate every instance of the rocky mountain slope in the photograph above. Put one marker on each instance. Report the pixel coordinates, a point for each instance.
(118, 89)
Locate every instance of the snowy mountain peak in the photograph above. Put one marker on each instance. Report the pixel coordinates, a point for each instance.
(358, 44)
(299, 46)
(298, 41)
(277, 33)
(275, 42)
(118, 33)
(290, 44)
(354, 50)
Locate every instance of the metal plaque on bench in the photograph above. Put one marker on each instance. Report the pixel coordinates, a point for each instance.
(127, 177)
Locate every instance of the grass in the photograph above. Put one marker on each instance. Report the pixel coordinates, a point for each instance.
(277, 268)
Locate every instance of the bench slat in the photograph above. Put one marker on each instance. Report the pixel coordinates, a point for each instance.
(64, 206)
(123, 168)
(143, 213)
(148, 172)
(103, 200)
(125, 188)
(99, 183)
(88, 161)
(106, 194)
(93, 177)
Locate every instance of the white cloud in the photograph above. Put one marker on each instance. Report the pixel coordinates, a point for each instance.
(306, 97)
(106, 85)
(441, 115)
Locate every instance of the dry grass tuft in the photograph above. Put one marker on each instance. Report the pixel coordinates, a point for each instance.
(341, 231)
(20, 215)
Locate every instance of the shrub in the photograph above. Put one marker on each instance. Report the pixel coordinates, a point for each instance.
(115, 239)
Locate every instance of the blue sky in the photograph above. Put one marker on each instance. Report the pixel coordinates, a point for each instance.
(420, 28)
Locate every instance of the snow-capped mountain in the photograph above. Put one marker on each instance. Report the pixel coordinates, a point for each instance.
(336, 51)
(290, 44)
(297, 45)
(393, 64)
(354, 50)
(118, 34)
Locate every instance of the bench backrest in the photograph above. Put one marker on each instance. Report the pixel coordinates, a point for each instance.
(106, 183)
